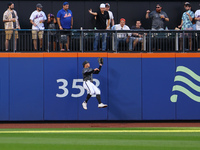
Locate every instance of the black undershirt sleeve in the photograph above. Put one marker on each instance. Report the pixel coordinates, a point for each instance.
(97, 72)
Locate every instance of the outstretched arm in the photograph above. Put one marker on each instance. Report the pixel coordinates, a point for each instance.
(97, 69)
(147, 14)
(93, 13)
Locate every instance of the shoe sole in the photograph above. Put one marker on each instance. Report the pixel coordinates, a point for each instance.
(104, 106)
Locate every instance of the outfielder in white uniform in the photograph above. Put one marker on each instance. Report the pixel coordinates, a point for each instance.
(89, 86)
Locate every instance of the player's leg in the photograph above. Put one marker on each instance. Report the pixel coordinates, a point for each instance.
(90, 91)
(84, 104)
(87, 98)
(98, 96)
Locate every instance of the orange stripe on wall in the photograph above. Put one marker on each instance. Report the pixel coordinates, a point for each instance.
(109, 55)
(60, 54)
(188, 55)
(26, 55)
(4, 54)
(158, 55)
(92, 54)
(124, 55)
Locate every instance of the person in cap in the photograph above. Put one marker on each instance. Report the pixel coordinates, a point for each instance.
(37, 20)
(101, 17)
(89, 86)
(112, 22)
(122, 37)
(186, 23)
(158, 18)
(10, 19)
(51, 22)
(65, 21)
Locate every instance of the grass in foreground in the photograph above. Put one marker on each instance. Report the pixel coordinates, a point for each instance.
(131, 138)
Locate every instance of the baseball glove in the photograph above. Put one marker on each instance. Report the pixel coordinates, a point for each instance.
(100, 60)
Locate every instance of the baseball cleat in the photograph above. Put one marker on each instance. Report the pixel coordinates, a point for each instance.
(84, 104)
(102, 105)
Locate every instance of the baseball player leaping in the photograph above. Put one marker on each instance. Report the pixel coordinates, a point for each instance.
(88, 83)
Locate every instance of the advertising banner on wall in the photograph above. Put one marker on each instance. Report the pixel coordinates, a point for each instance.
(186, 88)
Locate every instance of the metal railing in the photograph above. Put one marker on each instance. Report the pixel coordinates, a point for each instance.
(84, 41)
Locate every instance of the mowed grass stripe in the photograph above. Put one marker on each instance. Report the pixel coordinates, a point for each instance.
(101, 139)
(101, 131)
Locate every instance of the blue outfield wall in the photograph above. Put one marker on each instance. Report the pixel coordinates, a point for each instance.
(124, 89)
(157, 81)
(135, 87)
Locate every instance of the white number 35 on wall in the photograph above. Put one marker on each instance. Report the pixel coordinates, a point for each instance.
(64, 90)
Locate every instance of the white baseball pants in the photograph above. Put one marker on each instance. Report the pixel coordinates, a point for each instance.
(91, 88)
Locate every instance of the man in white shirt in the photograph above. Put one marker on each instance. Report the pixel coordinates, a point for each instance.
(37, 20)
(110, 15)
(122, 37)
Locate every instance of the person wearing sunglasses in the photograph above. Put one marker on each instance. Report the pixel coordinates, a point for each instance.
(186, 24)
(158, 18)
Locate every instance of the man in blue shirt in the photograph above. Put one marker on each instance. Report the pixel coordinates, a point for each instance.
(65, 21)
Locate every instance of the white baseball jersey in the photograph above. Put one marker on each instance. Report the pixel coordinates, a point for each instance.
(37, 16)
(110, 16)
(197, 15)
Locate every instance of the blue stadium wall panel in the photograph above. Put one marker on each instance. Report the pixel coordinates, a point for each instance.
(157, 82)
(26, 89)
(124, 84)
(188, 88)
(58, 77)
(4, 89)
(137, 86)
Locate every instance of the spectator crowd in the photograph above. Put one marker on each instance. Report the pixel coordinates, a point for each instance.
(104, 20)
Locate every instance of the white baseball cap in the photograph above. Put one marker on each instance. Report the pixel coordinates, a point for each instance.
(102, 5)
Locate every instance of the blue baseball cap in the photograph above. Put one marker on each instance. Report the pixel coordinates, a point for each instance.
(65, 3)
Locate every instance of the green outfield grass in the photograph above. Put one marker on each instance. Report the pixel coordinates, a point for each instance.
(101, 139)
